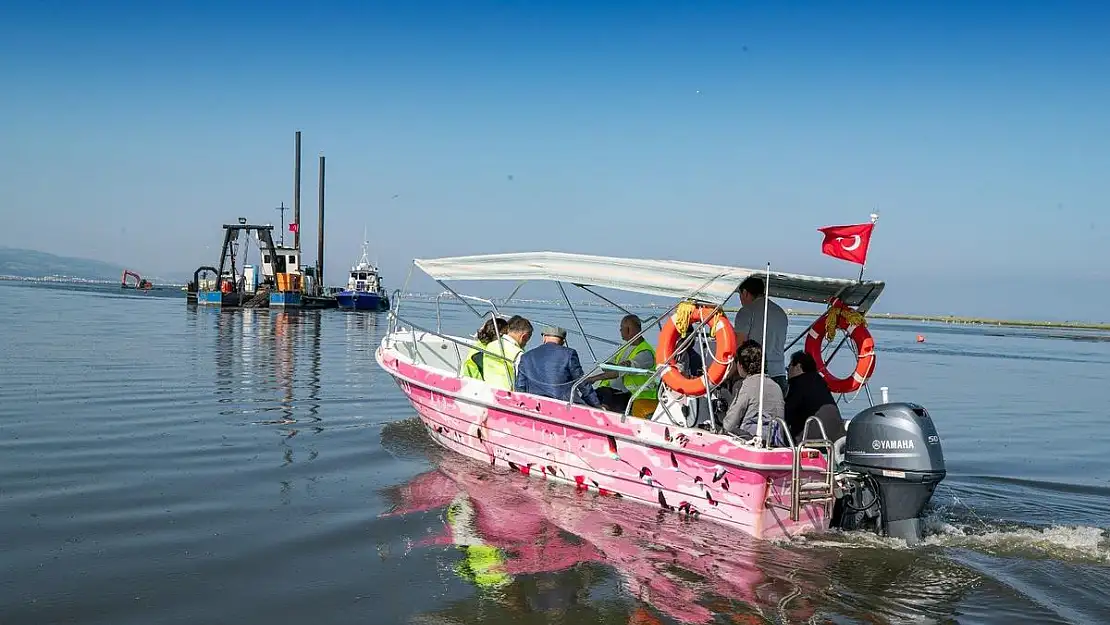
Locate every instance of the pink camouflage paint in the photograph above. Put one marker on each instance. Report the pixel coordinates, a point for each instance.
(687, 471)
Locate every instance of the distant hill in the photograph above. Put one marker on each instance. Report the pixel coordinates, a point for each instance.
(34, 264)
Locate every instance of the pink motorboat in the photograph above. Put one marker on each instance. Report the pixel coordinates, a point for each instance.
(879, 476)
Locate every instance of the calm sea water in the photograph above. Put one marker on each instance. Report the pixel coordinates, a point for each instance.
(160, 463)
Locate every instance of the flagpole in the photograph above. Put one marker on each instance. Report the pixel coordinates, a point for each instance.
(763, 361)
(863, 265)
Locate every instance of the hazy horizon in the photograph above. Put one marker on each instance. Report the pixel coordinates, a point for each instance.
(1068, 298)
(711, 133)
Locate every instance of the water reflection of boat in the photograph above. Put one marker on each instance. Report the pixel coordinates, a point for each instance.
(689, 572)
(683, 570)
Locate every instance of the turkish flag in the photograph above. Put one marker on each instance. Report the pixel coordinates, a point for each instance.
(847, 242)
(292, 227)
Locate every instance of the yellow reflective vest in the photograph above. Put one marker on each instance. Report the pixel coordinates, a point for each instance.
(469, 368)
(633, 381)
(498, 367)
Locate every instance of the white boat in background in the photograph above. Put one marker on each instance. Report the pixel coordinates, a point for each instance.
(881, 474)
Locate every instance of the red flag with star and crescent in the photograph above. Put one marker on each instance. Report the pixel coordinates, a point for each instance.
(847, 242)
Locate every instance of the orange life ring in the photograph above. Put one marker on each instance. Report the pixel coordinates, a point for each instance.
(865, 347)
(720, 329)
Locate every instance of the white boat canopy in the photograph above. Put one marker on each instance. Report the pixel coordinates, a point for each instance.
(663, 278)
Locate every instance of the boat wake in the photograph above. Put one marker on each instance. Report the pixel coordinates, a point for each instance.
(954, 525)
(1075, 544)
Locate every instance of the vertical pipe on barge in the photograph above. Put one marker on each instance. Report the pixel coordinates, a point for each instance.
(320, 232)
(297, 193)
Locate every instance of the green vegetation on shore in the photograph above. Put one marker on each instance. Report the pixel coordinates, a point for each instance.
(954, 319)
(979, 321)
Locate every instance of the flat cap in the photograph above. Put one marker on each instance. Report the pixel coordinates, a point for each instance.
(555, 331)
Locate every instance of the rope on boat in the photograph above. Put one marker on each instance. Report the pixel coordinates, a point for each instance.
(681, 317)
(712, 354)
(837, 310)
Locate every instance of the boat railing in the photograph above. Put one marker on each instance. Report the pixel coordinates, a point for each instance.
(497, 311)
(439, 298)
(795, 467)
(394, 318)
(797, 496)
(394, 307)
(562, 289)
(457, 342)
(784, 429)
(824, 443)
(411, 338)
(820, 428)
(804, 491)
(619, 369)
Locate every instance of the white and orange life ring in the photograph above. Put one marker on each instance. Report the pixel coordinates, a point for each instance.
(850, 321)
(721, 331)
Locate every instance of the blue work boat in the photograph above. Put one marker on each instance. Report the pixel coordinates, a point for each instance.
(364, 287)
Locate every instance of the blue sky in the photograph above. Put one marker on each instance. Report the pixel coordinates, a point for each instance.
(717, 131)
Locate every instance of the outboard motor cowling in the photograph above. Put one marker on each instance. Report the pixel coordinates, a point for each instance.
(892, 464)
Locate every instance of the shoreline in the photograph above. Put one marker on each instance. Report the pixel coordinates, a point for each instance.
(945, 319)
(974, 321)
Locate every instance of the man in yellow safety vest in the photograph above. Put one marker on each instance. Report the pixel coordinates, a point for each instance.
(499, 365)
(615, 388)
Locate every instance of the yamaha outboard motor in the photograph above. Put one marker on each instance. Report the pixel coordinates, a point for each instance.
(892, 464)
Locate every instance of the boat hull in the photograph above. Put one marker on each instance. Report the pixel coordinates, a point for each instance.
(682, 470)
(362, 300)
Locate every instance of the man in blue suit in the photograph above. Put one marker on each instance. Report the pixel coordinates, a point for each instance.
(552, 368)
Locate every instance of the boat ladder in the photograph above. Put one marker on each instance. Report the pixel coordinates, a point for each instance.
(257, 300)
(804, 490)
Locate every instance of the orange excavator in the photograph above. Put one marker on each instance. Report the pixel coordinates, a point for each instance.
(140, 284)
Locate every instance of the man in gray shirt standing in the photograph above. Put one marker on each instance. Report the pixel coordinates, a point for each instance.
(749, 325)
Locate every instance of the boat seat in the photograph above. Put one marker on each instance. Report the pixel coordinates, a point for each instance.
(644, 407)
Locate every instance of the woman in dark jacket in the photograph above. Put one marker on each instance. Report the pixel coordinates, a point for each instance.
(807, 394)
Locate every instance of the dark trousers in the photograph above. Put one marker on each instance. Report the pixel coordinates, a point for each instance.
(613, 400)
